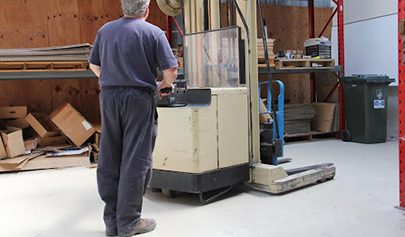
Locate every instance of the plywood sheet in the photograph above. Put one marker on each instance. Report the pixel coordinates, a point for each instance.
(63, 23)
(289, 25)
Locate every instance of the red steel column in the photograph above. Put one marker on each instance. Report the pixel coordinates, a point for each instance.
(401, 106)
(169, 34)
(311, 34)
(341, 50)
(311, 18)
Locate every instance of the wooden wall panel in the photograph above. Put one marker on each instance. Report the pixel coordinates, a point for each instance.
(156, 16)
(21, 26)
(42, 23)
(63, 23)
(93, 16)
(289, 25)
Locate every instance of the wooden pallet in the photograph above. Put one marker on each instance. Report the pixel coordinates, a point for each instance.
(304, 63)
(261, 62)
(305, 136)
(42, 66)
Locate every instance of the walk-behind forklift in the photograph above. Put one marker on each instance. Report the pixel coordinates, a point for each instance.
(209, 136)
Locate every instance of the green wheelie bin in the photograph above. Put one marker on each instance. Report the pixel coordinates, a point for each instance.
(366, 108)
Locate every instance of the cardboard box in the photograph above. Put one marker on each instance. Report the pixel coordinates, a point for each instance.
(18, 123)
(3, 153)
(42, 125)
(336, 119)
(13, 112)
(72, 124)
(31, 144)
(52, 141)
(13, 141)
(264, 117)
(323, 119)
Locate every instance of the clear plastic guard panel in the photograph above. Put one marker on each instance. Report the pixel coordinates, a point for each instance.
(211, 58)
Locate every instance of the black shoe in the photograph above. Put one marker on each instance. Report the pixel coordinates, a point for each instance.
(143, 226)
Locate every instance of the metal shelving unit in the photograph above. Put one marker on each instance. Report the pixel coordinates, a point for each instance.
(339, 71)
(401, 104)
(47, 75)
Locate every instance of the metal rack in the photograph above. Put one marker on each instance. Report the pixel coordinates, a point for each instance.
(401, 103)
(47, 75)
(339, 71)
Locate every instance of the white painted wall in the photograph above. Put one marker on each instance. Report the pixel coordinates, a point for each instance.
(357, 10)
(371, 37)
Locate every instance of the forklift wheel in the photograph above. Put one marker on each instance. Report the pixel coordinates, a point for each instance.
(156, 190)
(168, 193)
(346, 135)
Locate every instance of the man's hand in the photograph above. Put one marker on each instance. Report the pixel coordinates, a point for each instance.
(164, 89)
(169, 77)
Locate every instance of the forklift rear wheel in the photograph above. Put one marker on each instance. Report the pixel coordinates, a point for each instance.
(167, 193)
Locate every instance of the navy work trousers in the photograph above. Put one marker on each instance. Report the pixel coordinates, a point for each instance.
(125, 159)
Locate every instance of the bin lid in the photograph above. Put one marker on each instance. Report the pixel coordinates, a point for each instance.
(368, 78)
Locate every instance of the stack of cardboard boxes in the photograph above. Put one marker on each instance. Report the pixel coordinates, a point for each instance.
(40, 141)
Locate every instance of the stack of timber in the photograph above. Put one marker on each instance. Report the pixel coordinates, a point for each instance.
(260, 51)
(67, 58)
(297, 118)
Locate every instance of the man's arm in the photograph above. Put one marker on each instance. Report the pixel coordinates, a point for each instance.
(96, 69)
(169, 77)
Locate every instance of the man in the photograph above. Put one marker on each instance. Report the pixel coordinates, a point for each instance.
(125, 56)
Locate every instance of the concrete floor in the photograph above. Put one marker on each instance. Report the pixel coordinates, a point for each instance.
(359, 202)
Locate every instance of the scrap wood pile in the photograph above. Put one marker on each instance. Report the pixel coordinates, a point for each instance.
(297, 118)
(66, 58)
(34, 141)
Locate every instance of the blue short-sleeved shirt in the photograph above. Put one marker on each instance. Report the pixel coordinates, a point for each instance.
(129, 51)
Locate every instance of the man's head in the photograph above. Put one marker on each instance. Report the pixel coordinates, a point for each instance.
(136, 8)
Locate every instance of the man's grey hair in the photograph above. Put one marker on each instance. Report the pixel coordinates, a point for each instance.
(134, 8)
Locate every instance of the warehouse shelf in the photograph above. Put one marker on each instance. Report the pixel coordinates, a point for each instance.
(298, 70)
(47, 75)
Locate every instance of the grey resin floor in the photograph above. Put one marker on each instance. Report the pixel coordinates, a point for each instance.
(360, 201)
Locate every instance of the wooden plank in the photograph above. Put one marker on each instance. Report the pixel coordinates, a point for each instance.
(304, 63)
(42, 66)
(312, 133)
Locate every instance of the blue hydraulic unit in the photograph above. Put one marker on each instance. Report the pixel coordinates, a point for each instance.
(272, 132)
